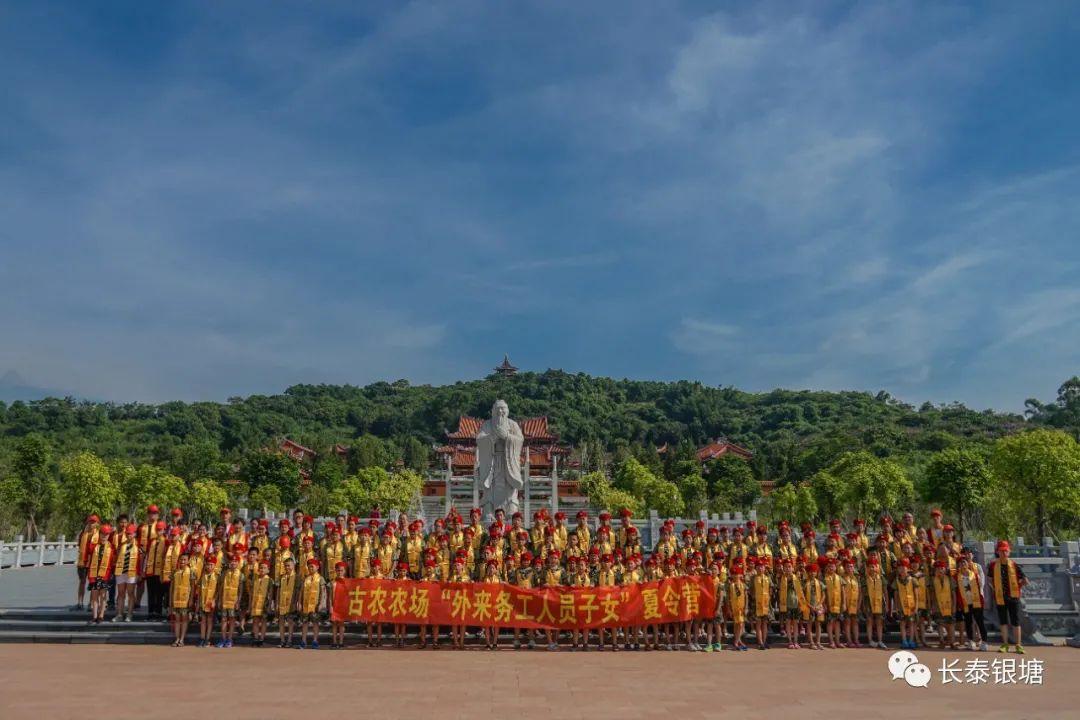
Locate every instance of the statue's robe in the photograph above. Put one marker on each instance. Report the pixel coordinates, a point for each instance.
(498, 467)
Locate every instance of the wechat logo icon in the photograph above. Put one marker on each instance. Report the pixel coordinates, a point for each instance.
(904, 665)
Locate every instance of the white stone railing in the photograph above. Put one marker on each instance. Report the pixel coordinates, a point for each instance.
(41, 552)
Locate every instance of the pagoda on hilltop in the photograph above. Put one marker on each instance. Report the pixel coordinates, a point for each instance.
(505, 369)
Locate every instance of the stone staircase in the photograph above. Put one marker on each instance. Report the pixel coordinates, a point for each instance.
(66, 626)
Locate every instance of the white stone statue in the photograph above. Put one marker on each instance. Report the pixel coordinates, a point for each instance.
(498, 461)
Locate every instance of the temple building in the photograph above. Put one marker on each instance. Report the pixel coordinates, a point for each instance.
(542, 455)
(505, 368)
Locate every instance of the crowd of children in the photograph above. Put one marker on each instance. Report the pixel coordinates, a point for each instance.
(831, 592)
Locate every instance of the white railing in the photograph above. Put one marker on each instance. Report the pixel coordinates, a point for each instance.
(20, 554)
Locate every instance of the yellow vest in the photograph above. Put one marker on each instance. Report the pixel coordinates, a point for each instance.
(969, 588)
(100, 560)
(787, 585)
(762, 590)
(180, 588)
(127, 560)
(286, 593)
(309, 600)
(999, 585)
(875, 592)
(208, 590)
(231, 582)
(833, 592)
(905, 594)
(943, 595)
(259, 590)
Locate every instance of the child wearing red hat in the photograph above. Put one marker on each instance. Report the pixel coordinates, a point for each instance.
(834, 602)
(813, 613)
(128, 564)
(736, 599)
(876, 599)
(230, 593)
(458, 575)
(258, 601)
(375, 629)
(99, 571)
(181, 597)
(337, 627)
(762, 600)
(431, 574)
(492, 578)
(285, 598)
(206, 599)
(943, 604)
(311, 602)
(402, 573)
(1007, 580)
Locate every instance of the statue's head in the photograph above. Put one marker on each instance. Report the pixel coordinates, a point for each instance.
(500, 410)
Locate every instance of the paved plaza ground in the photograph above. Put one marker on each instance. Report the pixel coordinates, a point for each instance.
(73, 681)
(81, 681)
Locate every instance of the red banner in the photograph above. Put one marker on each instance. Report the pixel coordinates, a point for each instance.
(504, 605)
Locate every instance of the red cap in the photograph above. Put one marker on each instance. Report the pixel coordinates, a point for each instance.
(860, 522)
(429, 562)
(1003, 545)
(284, 523)
(947, 528)
(225, 511)
(93, 518)
(106, 529)
(159, 525)
(130, 529)
(176, 512)
(813, 567)
(152, 510)
(313, 561)
(605, 516)
(560, 515)
(625, 512)
(935, 513)
(284, 541)
(582, 515)
(904, 562)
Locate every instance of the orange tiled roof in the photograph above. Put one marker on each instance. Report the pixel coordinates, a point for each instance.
(716, 449)
(535, 428)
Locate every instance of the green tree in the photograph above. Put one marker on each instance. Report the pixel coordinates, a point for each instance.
(692, 486)
(1040, 472)
(148, 484)
(416, 454)
(957, 478)
(197, 460)
(794, 503)
(266, 467)
(368, 451)
(731, 484)
(329, 471)
(36, 486)
(206, 499)
(870, 484)
(829, 494)
(318, 502)
(267, 498)
(86, 487)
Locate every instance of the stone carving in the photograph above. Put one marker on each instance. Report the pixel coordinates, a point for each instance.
(498, 461)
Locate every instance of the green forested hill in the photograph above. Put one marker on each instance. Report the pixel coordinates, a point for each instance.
(793, 433)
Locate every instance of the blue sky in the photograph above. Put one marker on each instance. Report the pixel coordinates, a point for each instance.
(200, 200)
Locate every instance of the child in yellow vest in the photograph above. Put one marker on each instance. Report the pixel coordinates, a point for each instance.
(943, 603)
(790, 601)
(834, 602)
(814, 612)
(181, 595)
(1007, 582)
(736, 599)
(230, 594)
(403, 572)
(285, 592)
(875, 603)
(206, 600)
(258, 601)
(375, 629)
(969, 585)
(762, 586)
(906, 604)
(311, 602)
(851, 588)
